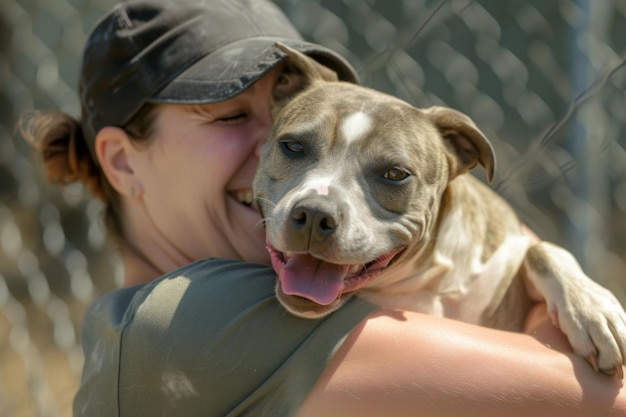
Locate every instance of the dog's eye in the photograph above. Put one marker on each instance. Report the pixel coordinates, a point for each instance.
(396, 174)
(292, 146)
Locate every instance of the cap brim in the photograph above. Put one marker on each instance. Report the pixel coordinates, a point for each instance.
(229, 71)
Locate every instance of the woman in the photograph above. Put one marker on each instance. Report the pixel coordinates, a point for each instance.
(176, 101)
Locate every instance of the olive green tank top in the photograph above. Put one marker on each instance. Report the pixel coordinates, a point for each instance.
(209, 339)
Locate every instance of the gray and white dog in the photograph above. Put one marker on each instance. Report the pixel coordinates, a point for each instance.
(362, 193)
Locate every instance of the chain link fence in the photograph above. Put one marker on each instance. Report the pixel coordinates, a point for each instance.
(543, 79)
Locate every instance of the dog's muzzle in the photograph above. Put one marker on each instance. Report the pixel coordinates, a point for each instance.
(303, 276)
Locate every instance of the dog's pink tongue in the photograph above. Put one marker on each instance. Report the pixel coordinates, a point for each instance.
(311, 278)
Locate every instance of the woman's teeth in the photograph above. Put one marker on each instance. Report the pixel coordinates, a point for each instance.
(244, 197)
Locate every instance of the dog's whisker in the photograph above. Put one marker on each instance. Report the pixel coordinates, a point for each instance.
(259, 224)
(271, 203)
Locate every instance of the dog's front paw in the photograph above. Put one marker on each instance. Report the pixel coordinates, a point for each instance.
(587, 313)
(594, 322)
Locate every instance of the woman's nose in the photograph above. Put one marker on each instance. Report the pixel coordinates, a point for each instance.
(258, 148)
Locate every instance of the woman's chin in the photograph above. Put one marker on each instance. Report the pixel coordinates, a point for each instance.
(264, 259)
(255, 249)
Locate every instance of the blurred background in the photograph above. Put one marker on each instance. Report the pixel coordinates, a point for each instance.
(543, 79)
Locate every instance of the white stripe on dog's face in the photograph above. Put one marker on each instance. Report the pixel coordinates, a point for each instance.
(355, 126)
(319, 184)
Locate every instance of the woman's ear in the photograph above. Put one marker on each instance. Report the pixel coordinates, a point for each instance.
(113, 147)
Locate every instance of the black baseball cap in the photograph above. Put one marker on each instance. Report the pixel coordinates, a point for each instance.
(183, 51)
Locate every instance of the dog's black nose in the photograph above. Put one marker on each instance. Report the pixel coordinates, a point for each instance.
(303, 217)
(314, 218)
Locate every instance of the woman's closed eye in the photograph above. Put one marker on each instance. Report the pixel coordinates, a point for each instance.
(232, 118)
(218, 113)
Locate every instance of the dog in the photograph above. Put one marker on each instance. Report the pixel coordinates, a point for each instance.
(363, 194)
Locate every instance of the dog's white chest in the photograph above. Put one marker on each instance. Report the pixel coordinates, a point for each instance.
(457, 284)
(471, 284)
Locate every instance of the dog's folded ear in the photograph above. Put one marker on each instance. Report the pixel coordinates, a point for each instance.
(467, 145)
(300, 71)
(308, 67)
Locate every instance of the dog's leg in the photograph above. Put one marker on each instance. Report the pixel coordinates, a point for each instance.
(589, 315)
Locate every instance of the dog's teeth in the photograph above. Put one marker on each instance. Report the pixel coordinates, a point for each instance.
(354, 269)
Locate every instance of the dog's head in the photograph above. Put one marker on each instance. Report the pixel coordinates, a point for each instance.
(350, 183)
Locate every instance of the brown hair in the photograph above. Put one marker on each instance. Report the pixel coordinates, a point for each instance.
(67, 159)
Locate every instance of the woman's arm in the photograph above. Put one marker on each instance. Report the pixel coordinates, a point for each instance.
(408, 364)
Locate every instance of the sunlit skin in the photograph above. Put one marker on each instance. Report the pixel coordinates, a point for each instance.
(405, 364)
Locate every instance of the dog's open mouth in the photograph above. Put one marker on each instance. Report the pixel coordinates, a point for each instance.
(303, 275)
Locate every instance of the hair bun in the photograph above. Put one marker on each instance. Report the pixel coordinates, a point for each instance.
(60, 140)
